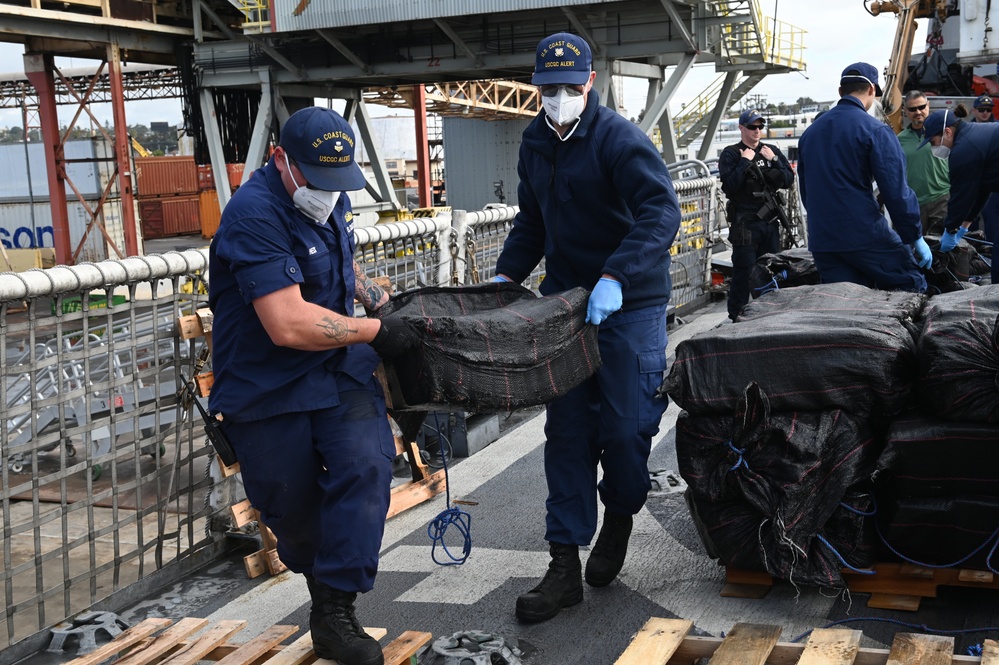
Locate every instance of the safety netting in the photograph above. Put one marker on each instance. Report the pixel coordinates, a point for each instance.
(492, 347)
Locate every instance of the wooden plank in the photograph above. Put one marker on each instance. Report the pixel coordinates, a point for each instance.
(976, 576)
(404, 647)
(894, 601)
(828, 646)
(274, 655)
(274, 564)
(919, 649)
(191, 653)
(205, 318)
(414, 493)
(656, 642)
(189, 327)
(990, 652)
(295, 653)
(746, 583)
(746, 644)
(227, 471)
(122, 641)
(169, 639)
(259, 645)
(204, 382)
(255, 564)
(243, 513)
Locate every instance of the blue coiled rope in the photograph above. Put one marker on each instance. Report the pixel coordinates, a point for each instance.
(450, 517)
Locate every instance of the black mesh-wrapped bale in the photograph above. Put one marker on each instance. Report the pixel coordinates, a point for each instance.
(802, 362)
(936, 458)
(493, 346)
(840, 299)
(792, 267)
(767, 488)
(958, 356)
(940, 531)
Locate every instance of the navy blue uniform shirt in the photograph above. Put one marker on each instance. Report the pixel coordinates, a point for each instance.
(840, 156)
(974, 171)
(265, 244)
(601, 201)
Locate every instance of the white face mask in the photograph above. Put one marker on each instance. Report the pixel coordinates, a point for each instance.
(563, 107)
(940, 151)
(317, 204)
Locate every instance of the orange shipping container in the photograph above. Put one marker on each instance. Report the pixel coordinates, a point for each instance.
(208, 204)
(235, 174)
(151, 214)
(159, 176)
(181, 215)
(205, 178)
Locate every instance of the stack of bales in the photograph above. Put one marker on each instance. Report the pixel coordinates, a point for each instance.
(785, 414)
(937, 486)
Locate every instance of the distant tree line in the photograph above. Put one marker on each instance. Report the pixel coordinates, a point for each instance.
(160, 138)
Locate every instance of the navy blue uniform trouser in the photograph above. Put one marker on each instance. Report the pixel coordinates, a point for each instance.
(891, 268)
(750, 240)
(321, 481)
(609, 420)
(990, 220)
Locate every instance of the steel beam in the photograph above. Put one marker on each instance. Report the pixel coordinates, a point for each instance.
(422, 147)
(262, 126)
(384, 192)
(122, 151)
(724, 100)
(39, 68)
(210, 121)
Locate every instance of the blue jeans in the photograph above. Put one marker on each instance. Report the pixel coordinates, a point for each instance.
(609, 420)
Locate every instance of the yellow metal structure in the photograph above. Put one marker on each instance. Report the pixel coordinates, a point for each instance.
(256, 15)
(897, 72)
(761, 40)
(138, 147)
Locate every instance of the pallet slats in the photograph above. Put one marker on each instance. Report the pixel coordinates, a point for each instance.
(405, 646)
(656, 642)
(259, 645)
(167, 640)
(746, 644)
(918, 649)
(828, 646)
(204, 645)
(128, 638)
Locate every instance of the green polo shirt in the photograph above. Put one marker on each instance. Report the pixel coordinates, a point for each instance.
(928, 176)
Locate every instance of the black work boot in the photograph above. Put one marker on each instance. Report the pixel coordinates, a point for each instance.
(561, 587)
(607, 556)
(336, 634)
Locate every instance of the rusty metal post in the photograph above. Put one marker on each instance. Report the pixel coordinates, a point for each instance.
(422, 147)
(122, 150)
(38, 68)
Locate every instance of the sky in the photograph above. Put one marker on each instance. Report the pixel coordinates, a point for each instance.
(837, 34)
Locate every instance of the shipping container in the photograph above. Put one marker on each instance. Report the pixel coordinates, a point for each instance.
(21, 184)
(160, 176)
(181, 215)
(235, 174)
(208, 207)
(151, 218)
(205, 178)
(27, 226)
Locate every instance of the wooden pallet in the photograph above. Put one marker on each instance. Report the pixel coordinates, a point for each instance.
(894, 586)
(666, 642)
(157, 642)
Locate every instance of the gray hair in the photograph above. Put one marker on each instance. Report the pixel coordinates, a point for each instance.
(913, 94)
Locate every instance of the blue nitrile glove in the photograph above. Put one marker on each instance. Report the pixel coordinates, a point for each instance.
(948, 240)
(604, 301)
(499, 278)
(924, 257)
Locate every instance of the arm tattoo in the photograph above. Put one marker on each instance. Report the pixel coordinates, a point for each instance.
(336, 330)
(369, 293)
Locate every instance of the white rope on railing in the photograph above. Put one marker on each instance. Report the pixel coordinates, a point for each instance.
(368, 235)
(39, 282)
(498, 214)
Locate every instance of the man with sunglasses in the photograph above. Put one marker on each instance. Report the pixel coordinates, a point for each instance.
(928, 177)
(747, 169)
(840, 156)
(972, 153)
(294, 371)
(982, 109)
(597, 203)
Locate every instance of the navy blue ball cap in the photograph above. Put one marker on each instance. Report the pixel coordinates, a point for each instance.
(322, 144)
(861, 71)
(750, 116)
(983, 102)
(936, 123)
(562, 59)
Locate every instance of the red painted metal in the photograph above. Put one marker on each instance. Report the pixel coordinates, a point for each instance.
(38, 68)
(422, 147)
(123, 153)
(159, 176)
